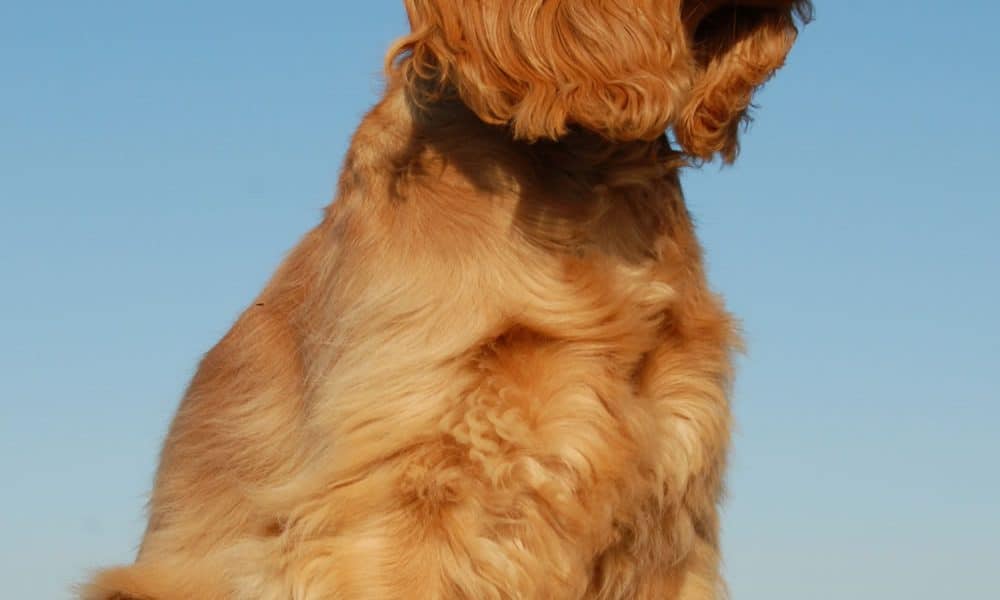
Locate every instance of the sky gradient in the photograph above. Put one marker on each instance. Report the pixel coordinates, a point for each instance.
(158, 159)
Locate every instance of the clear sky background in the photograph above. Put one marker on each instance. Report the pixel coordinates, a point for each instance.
(157, 159)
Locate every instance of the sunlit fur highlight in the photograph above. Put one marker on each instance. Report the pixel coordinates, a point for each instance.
(494, 370)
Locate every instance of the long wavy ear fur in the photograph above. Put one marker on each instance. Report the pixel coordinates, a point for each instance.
(625, 69)
(736, 47)
(616, 67)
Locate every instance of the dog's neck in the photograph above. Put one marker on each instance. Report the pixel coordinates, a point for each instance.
(581, 191)
(584, 154)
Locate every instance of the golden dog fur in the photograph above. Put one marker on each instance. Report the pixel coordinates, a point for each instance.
(495, 369)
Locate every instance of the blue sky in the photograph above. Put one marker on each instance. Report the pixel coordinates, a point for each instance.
(158, 159)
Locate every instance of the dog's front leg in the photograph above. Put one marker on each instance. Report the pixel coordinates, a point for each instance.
(670, 550)
(688, 378)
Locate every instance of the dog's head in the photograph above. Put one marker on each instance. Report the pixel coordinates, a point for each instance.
(626, 69)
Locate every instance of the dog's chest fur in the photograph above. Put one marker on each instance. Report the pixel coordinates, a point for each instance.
(503, 385)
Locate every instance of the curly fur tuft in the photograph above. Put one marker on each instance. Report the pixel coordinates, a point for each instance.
(543, 66)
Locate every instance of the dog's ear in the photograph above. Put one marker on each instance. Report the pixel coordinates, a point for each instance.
(736, 46)
(620, 68)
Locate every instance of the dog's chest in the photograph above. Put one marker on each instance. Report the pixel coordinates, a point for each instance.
(537, 399)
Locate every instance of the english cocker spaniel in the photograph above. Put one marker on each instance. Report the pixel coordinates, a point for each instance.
(495, 369)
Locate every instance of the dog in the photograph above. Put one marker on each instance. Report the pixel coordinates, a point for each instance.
(495, 369)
